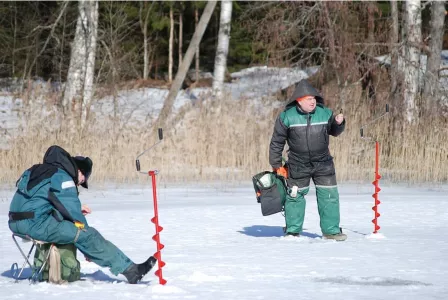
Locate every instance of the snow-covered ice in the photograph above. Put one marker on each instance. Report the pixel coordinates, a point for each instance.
(219, 246)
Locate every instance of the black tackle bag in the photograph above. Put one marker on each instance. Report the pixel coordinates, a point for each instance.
(270, 190)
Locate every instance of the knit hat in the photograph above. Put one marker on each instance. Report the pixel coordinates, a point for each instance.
(85, 165)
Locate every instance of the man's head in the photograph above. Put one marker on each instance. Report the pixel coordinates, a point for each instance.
(84, 165)
(307, 103)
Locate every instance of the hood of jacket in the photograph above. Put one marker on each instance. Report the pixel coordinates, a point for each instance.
(55, 158)
(304, 88)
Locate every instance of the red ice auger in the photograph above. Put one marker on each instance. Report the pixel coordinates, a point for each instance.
(377, 174)
(155, 219)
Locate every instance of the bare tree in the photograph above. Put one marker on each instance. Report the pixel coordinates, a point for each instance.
(79, 85)
(14, 23)
(170, 47)
(435, 45)
(50, 36)
(180, 76)
(144, 27)
(76, 71)
(412, 64)
(181, 29)
(196, 20)
(223, 47)
(92, 17)
(394, 38)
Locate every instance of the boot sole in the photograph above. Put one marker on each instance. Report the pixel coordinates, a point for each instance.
(338, 239)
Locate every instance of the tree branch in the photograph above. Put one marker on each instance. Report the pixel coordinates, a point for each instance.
(53, 28)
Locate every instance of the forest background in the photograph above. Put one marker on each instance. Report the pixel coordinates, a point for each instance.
(59, 58)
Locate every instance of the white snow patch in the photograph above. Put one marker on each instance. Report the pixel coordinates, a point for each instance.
(166, 289)
(202, 277)
(376, 236)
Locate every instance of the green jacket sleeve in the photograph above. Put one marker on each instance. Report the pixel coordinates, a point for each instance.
(63, 195)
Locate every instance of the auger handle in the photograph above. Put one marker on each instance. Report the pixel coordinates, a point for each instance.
(137, 161)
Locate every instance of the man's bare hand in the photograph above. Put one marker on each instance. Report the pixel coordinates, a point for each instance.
(339, 119)
(85, 209)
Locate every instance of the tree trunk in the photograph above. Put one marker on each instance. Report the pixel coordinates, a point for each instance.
(61, 51)
(151, 61)
(196, 20)
(92, 29)
(223, 47)
(13, 63)
(145, 47)
(180, 76)
(79, 84)
(402, 51)
(435, 45)
(77, 68)
(394, 50)
(181, 29)
(144, 28)
(170, 50)
(411, 74)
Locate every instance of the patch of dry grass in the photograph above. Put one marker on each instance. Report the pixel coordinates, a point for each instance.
(229, 141)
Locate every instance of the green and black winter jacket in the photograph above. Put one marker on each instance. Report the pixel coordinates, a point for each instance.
(307, 134)
(47, 190)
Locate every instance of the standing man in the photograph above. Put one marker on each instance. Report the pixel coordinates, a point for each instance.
(46, 207)
(305, 125)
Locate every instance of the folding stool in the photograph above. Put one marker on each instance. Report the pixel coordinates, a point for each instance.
(35, 273)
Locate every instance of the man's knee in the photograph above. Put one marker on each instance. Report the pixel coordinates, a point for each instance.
(327, 194)
(88, 234)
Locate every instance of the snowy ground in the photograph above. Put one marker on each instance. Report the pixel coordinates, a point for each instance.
(219, 246)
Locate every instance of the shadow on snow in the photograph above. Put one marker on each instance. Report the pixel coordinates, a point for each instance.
(271, 231)
(372, 281)
(95, 276)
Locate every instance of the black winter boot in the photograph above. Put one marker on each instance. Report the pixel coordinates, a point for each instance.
(295, 234)
(135, 272)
